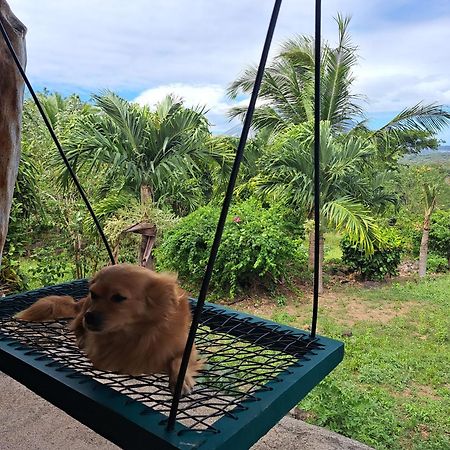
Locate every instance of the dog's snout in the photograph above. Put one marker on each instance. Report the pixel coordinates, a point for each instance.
(93, 320)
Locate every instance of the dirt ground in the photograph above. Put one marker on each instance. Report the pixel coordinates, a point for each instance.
(346, 310)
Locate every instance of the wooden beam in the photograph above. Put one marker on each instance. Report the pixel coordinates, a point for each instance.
(11, 103)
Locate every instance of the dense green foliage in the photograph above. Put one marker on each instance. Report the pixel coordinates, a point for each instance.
(384, 261)
(288, 173)
(153, 155)
(440, 233)
(408, 225)
(437, 263)
(256, 247)
(12, 277)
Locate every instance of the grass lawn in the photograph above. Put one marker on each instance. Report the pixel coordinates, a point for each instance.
(392, 390)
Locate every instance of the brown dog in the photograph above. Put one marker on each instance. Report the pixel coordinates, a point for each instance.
(133, 321)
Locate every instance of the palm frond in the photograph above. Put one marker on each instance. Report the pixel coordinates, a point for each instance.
(354, 218)
(431, 118)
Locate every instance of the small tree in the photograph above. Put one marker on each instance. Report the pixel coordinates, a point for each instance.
(430, 195)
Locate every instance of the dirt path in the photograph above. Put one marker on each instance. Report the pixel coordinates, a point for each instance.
(345, 308)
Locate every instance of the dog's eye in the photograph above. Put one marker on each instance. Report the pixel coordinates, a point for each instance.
(118, 298)
(94, 296)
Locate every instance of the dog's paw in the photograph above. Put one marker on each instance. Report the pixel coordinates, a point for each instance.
(188, 385)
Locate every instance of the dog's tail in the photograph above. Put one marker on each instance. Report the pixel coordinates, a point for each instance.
(52, 307)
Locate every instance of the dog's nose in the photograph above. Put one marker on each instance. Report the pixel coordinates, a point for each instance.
(93, 320)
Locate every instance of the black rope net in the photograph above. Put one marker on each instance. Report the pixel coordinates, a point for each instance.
(242, 356)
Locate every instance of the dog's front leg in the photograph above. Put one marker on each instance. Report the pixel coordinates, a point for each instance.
(174, 369)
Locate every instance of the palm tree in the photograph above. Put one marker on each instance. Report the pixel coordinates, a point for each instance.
(137, 149)
(346, 182)
(430, 196)
(149, 154)
(287, 91)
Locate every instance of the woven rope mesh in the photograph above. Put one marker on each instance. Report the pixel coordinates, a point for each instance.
(242, 357)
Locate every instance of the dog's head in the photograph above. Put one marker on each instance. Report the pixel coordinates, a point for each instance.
(124, 295)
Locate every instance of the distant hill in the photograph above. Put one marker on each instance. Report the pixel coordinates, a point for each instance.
(440, 156)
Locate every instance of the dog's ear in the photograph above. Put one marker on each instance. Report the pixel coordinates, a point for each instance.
(163, 289)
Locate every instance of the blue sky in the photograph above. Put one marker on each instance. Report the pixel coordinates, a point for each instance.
(144, 49)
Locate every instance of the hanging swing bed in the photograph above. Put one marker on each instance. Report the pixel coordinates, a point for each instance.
(256, 371)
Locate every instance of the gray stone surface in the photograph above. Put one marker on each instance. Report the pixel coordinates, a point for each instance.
(294, 434)
(27, 422)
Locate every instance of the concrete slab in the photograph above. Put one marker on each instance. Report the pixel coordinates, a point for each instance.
(27, 422)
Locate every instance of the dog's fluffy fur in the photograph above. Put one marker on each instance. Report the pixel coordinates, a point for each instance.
(51, 308)
(133, 321)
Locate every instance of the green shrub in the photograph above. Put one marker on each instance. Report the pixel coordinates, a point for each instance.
(50, 268)
(440, 233)
(255, 248)
(12, 278)
(436, 263)
(409, 227)
(383, 262)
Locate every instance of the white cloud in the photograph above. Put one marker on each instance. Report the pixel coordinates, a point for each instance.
(211, 96)
(139, 45)
(404, 65)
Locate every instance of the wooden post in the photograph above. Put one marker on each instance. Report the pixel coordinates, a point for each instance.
(11, 103)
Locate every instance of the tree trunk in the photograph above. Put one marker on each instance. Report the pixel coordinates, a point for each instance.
(311, 257)
(311, 249)
(423, 256)
(11, 103)
(321, 242)
(146, 260)
(146, 194)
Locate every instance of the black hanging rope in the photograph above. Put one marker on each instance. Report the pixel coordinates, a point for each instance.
(317, 45)
(223, 216)
(56, 141)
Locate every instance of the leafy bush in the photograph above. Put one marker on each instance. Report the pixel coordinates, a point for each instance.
(384, 261)
(50, 268)
(12, 279)
(436, 263)
(440, 233)
(255, 248)
(127, 244)
(409, 227)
